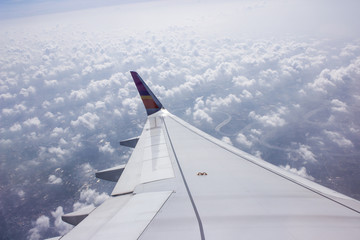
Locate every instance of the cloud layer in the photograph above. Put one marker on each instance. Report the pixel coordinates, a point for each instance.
(67, 99)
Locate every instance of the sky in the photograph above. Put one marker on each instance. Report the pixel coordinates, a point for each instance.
(278, 79)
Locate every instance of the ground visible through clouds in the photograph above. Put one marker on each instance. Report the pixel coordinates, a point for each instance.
(67, 99)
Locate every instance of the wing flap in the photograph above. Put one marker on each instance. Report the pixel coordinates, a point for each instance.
(111, 174)
(123, 217)
(130, 142)
(75, 218)
(150, 159)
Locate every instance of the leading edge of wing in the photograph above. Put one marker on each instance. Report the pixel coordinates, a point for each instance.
(151, 103)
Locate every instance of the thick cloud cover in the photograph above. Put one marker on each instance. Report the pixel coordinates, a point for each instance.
(67, 98)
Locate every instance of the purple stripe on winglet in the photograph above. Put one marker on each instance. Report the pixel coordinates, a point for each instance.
(151, 103)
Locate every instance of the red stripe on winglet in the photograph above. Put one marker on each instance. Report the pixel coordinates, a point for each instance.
(149, 103)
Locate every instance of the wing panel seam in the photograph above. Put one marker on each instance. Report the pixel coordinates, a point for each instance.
(202, 234)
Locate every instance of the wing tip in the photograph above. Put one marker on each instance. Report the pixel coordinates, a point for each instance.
(150, 101)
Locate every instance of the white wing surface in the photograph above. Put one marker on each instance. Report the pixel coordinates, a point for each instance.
(181, 183)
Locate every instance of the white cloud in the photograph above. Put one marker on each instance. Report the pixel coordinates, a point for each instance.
(7, 96)
(305, 152)
(246, 94)
(57, 131)
(8, 111)
(216, 103)
(54, 180)
(242, 139)
(32, 122)
(89, 197)
(100, 104)
(21, 193)
(321, 83)
(87, 170)
(200, 111)
(51, 83)
(46, 104)
(27, 91)
(58, 151)
(60, 226)
(350, 50)
(256, 131)
(201, 115)
(16, 127)
(41, 225)
(243, 81)
(340, 140)
(226, 140)
(338, 106)
(273, 119)
(78, 94)
(131, 105)
(106, 148)
(88, 120)
(301, 172)
(268, 77)
(59, 100)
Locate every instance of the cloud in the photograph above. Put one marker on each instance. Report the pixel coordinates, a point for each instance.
(246, 94)
(256, 131)
(79, 94)
(268, 77)
(7, 96)
(106, 148)
(200, 111)
(243, 81)
(58, 151)
(51, 83)
(60, 226)
(88, 120)
(77, 87)
(216, 103)
(226, 140)
(32, 122)
(273, 119)
(59, 100)
(16, 127)
(58, 131)
(131, 105)
(242, 139)
(27, 91)
(337, 138)
(338, 106)
(332, 78)
(21, 193)
(304, 153)
(41, 225)
(201, 115)
(54, 180)
(301, 172)
(89, 197)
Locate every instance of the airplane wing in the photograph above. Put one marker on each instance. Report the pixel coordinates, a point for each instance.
(181, 183)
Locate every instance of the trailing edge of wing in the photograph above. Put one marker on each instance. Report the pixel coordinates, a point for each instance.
(151, 103)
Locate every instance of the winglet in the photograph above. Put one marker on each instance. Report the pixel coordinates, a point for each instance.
(151, 103)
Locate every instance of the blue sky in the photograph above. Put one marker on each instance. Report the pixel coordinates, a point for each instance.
(277, 79)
